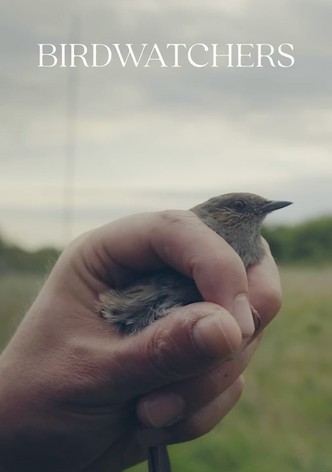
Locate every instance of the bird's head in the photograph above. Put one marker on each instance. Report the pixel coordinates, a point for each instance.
(238, 217)
(233, 208)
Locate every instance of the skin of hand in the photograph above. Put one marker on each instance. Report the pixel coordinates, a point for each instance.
(76, 396)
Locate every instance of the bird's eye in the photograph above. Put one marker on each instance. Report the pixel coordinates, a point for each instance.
(239, 205)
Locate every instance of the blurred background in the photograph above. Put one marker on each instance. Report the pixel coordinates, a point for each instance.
(80, 147)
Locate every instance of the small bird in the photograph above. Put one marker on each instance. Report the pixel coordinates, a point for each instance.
(236, 217)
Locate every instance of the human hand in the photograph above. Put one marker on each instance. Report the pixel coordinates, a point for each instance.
(76, 396)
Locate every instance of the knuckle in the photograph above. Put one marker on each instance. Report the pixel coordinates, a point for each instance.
(172, 231)
(87, 366)
(163, 353)
(196, 264)
(220, 262)
(176, 217)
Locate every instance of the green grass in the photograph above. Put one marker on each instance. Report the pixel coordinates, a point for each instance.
(284, 420)
(17, 292)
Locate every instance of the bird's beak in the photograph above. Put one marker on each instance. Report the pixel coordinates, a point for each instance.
(274, 205)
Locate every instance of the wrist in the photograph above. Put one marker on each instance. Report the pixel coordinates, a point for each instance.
(19, 419)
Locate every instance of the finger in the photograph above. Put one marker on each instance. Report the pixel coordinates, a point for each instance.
(183, 398)
(264, 287)
(189, 341)
(179, 239)
(208, 417)
(200, 423)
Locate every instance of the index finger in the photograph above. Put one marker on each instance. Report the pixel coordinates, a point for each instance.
(264, 287)
(179, 239)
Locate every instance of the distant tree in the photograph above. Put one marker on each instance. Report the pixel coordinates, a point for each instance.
(307, 243)
(15, 259)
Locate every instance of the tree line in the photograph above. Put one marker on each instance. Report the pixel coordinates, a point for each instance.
(16, 259)
(308, 243)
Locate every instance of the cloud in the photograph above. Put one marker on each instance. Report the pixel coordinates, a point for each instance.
(168, 137)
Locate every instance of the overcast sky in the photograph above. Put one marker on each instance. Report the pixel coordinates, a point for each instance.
(155, 138)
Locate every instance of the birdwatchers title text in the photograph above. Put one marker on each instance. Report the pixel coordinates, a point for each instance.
(170, 55)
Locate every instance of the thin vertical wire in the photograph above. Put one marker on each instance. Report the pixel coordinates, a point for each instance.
(70, 139)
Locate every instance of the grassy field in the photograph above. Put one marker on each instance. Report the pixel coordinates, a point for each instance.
(284, 419)
(17, 292)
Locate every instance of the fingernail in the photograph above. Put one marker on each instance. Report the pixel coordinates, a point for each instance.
(242, 313)
(163, 410)
(257, 319)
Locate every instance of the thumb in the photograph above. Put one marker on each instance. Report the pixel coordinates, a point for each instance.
(190, 340)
